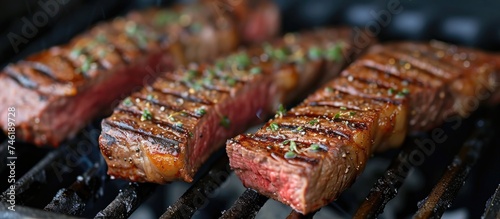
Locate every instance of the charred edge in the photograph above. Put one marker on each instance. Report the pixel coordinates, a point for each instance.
(355, 124)
(208, 88)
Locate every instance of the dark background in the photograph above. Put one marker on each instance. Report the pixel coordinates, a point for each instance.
(471, 23)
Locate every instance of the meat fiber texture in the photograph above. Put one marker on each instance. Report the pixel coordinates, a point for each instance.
(306, 157)
(166, 131)
(57, 91)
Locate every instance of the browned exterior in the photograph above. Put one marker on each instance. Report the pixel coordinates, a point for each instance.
(234, 93)
(55, 92)
(308, 156)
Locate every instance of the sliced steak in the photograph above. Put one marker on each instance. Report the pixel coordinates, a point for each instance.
(306, 157)
(57, 91)
(167, 130)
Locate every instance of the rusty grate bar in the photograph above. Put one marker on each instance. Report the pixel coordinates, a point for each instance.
(247, 205)
(127, 200)
(445, 191)
(72, 200)
(197, 194)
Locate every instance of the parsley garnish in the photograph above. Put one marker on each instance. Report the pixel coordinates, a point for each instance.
(146, 115)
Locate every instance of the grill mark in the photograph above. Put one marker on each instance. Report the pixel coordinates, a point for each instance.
(189, 84)
(166, 105)
(189, 98)
(399, 77)
(367, 64)
(42, 70)
(327, 132)
(156, 122)
(432, 69)
(21, 79)
(381, 99)
(170, 142)
(313, 116)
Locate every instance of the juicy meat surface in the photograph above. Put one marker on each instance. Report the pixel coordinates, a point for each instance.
(168, 130)
(57, 91)
(306, 157)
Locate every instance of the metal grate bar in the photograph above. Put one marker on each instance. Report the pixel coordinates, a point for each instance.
(387, 186)
(127, 200)
(247, 205)
(492, 210)
(447, 188)
(36, 174)
(197, 194)
(296, 215)
(72, 200)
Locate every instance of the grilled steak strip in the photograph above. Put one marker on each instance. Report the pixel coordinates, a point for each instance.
(308, 156)
(55, 92)
(167, 130)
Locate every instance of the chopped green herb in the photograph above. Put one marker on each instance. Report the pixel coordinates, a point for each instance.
(314, 147)
(225, 122)
(314, 53)
(191, 74)
(343, 108)
(127, 101)
(255, 70)
(196, 27)
(165, 17)
(171, 117)
(391, 91)
(405, 91)
(274, 127)
(101, 38)
(352, 113)
(242, 60)
(293, 146)
(230, 81)
(337, 116)
(219, 64)
(191, 134)
(149, 97)
(280, 54)
(183, 113)
(87, 64)
(178, 124)
(146, 115)
(281, 111)
(285, 142)
(131, 29)
(334, 53)
(200, 111)
(300, 128)
(328, 89)
(313, 122)
(400, 95)
(76, 52)
(290, 155)
(268, 49)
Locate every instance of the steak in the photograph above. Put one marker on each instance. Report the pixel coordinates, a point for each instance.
(57, 91)
(306, 157)
(168, 130)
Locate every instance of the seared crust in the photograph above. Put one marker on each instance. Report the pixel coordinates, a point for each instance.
(306, 157)
(237, 91)
(49, 89)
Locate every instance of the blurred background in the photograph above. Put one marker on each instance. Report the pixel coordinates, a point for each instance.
(470, 23)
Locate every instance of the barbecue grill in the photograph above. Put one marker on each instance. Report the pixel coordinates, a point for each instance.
(427, 178)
